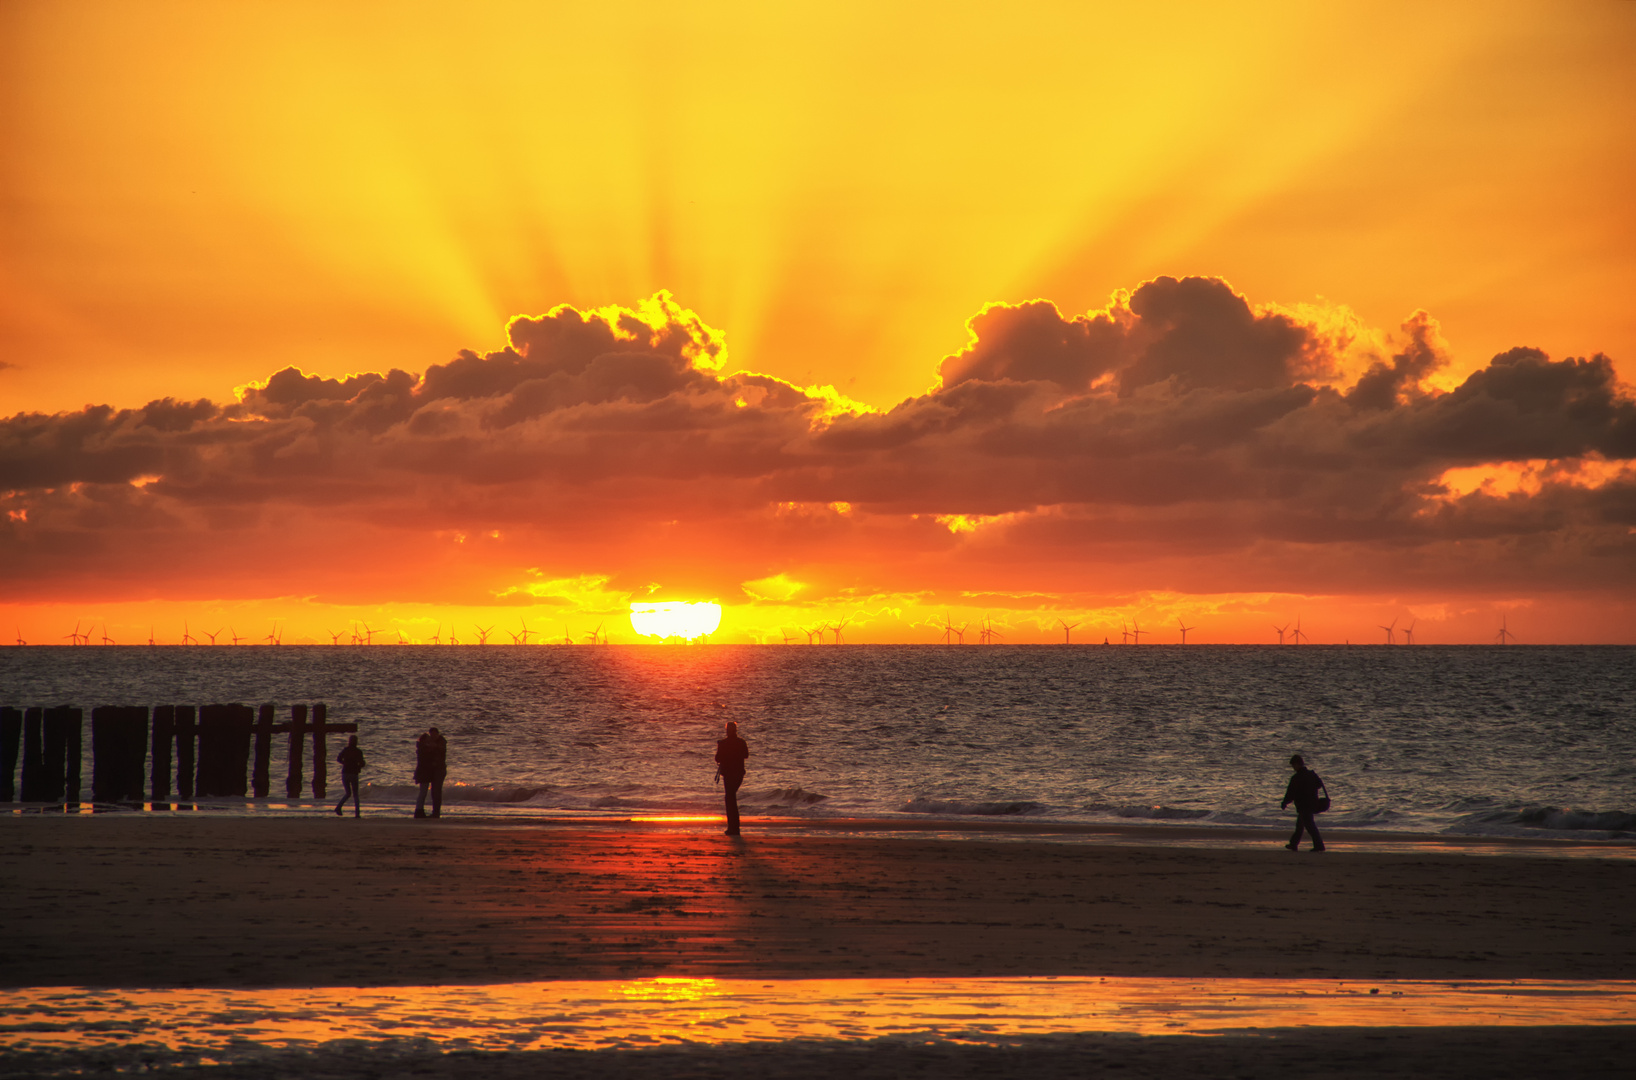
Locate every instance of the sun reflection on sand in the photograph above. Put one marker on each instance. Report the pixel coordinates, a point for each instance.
(604, 1015)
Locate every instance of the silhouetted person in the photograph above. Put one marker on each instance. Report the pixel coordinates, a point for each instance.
(1303, 792)
(352, 763)
(731, 753)
(431, 766)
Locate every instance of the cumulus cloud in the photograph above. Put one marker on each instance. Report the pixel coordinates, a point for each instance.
(1180, 426)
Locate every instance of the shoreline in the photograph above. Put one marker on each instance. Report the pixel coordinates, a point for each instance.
(952, 827)
(196, 900)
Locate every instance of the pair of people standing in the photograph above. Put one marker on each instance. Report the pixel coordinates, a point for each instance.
(431, 767)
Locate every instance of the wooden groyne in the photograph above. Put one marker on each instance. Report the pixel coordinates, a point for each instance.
(209, 751)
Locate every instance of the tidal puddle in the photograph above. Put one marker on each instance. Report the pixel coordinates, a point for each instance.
(227, 1024)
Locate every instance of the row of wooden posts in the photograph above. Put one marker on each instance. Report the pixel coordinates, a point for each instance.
(122, 738)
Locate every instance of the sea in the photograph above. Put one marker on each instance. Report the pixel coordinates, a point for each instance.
(1516, 741)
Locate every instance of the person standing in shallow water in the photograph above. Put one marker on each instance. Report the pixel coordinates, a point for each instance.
(352, 763)
(431, 766)
(731, 753)
(1303, 792)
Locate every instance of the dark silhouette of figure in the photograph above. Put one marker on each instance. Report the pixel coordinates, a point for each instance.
(352, 763)
(431, 766)
(731, 753)
(1303, 792)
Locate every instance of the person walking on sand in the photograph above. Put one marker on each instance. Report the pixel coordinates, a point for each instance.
(1303, 792)
(731, 753)
(352, 763)
(431, 766)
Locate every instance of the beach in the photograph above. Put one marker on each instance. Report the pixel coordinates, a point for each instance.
(126, 900)
(186, 901)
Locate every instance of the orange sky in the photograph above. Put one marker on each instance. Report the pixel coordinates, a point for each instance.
(196, 196)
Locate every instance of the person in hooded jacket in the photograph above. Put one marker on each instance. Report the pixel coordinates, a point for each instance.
(1303, 792)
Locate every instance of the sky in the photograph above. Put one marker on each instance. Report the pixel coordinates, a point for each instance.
(1035, 319)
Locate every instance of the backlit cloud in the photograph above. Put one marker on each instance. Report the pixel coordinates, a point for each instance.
(1180, 438)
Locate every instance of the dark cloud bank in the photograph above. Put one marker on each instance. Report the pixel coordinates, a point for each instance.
(1179, 424)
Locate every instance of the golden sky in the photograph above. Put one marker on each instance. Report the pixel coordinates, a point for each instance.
(194, 196)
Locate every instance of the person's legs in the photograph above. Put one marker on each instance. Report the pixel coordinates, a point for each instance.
(357, 802)
(437, 797)
(731, 785)
(1300, 827)
(420, 803)
(343, 801)
(1312, 827)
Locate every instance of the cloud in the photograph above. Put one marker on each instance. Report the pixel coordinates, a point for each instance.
(1180, 433)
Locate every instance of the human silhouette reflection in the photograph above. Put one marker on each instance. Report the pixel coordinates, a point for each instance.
(1303, 792)
(731, 753)
(431, 766)
(352, 763)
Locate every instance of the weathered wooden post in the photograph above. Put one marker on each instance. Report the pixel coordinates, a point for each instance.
(11, 732)
(186, 729)
(224, 750)
(164, 730)
(119, 749)
(33, 781)
(320, 753)
(61, 758)
(72, 725)
(264, 750)
(298, 747)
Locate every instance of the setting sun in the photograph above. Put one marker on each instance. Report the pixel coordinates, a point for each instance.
(676, 619)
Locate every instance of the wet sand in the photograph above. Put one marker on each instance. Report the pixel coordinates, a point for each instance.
(122, 900)
(129, 901)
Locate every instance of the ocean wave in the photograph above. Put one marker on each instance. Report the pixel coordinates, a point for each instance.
(1555, 818)
(793, 796)
(473, 793)
(960, 806)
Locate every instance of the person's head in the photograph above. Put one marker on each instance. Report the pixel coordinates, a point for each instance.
(353, 741)
(431, 731)
(732, 729)
(1296, 762)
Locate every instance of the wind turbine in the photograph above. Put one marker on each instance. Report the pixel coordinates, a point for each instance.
(483, 635)
(1184, 630)
(20, 640)
(74, 636)
(1299, 633)
(598, 639)
(187, 638)
(369, 634)
(1067, 628)
(1391, 632)
(151, 641)
(1504, 637)
(1280, 630)
(106, 640)
(437, 638)
(212, 637)
(274, 638)
(526, 631)
(1136, 631)
(453, 640)
(1408, 633)
(335, 636)
(234, 634)
(988, 628)
(948, 630)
